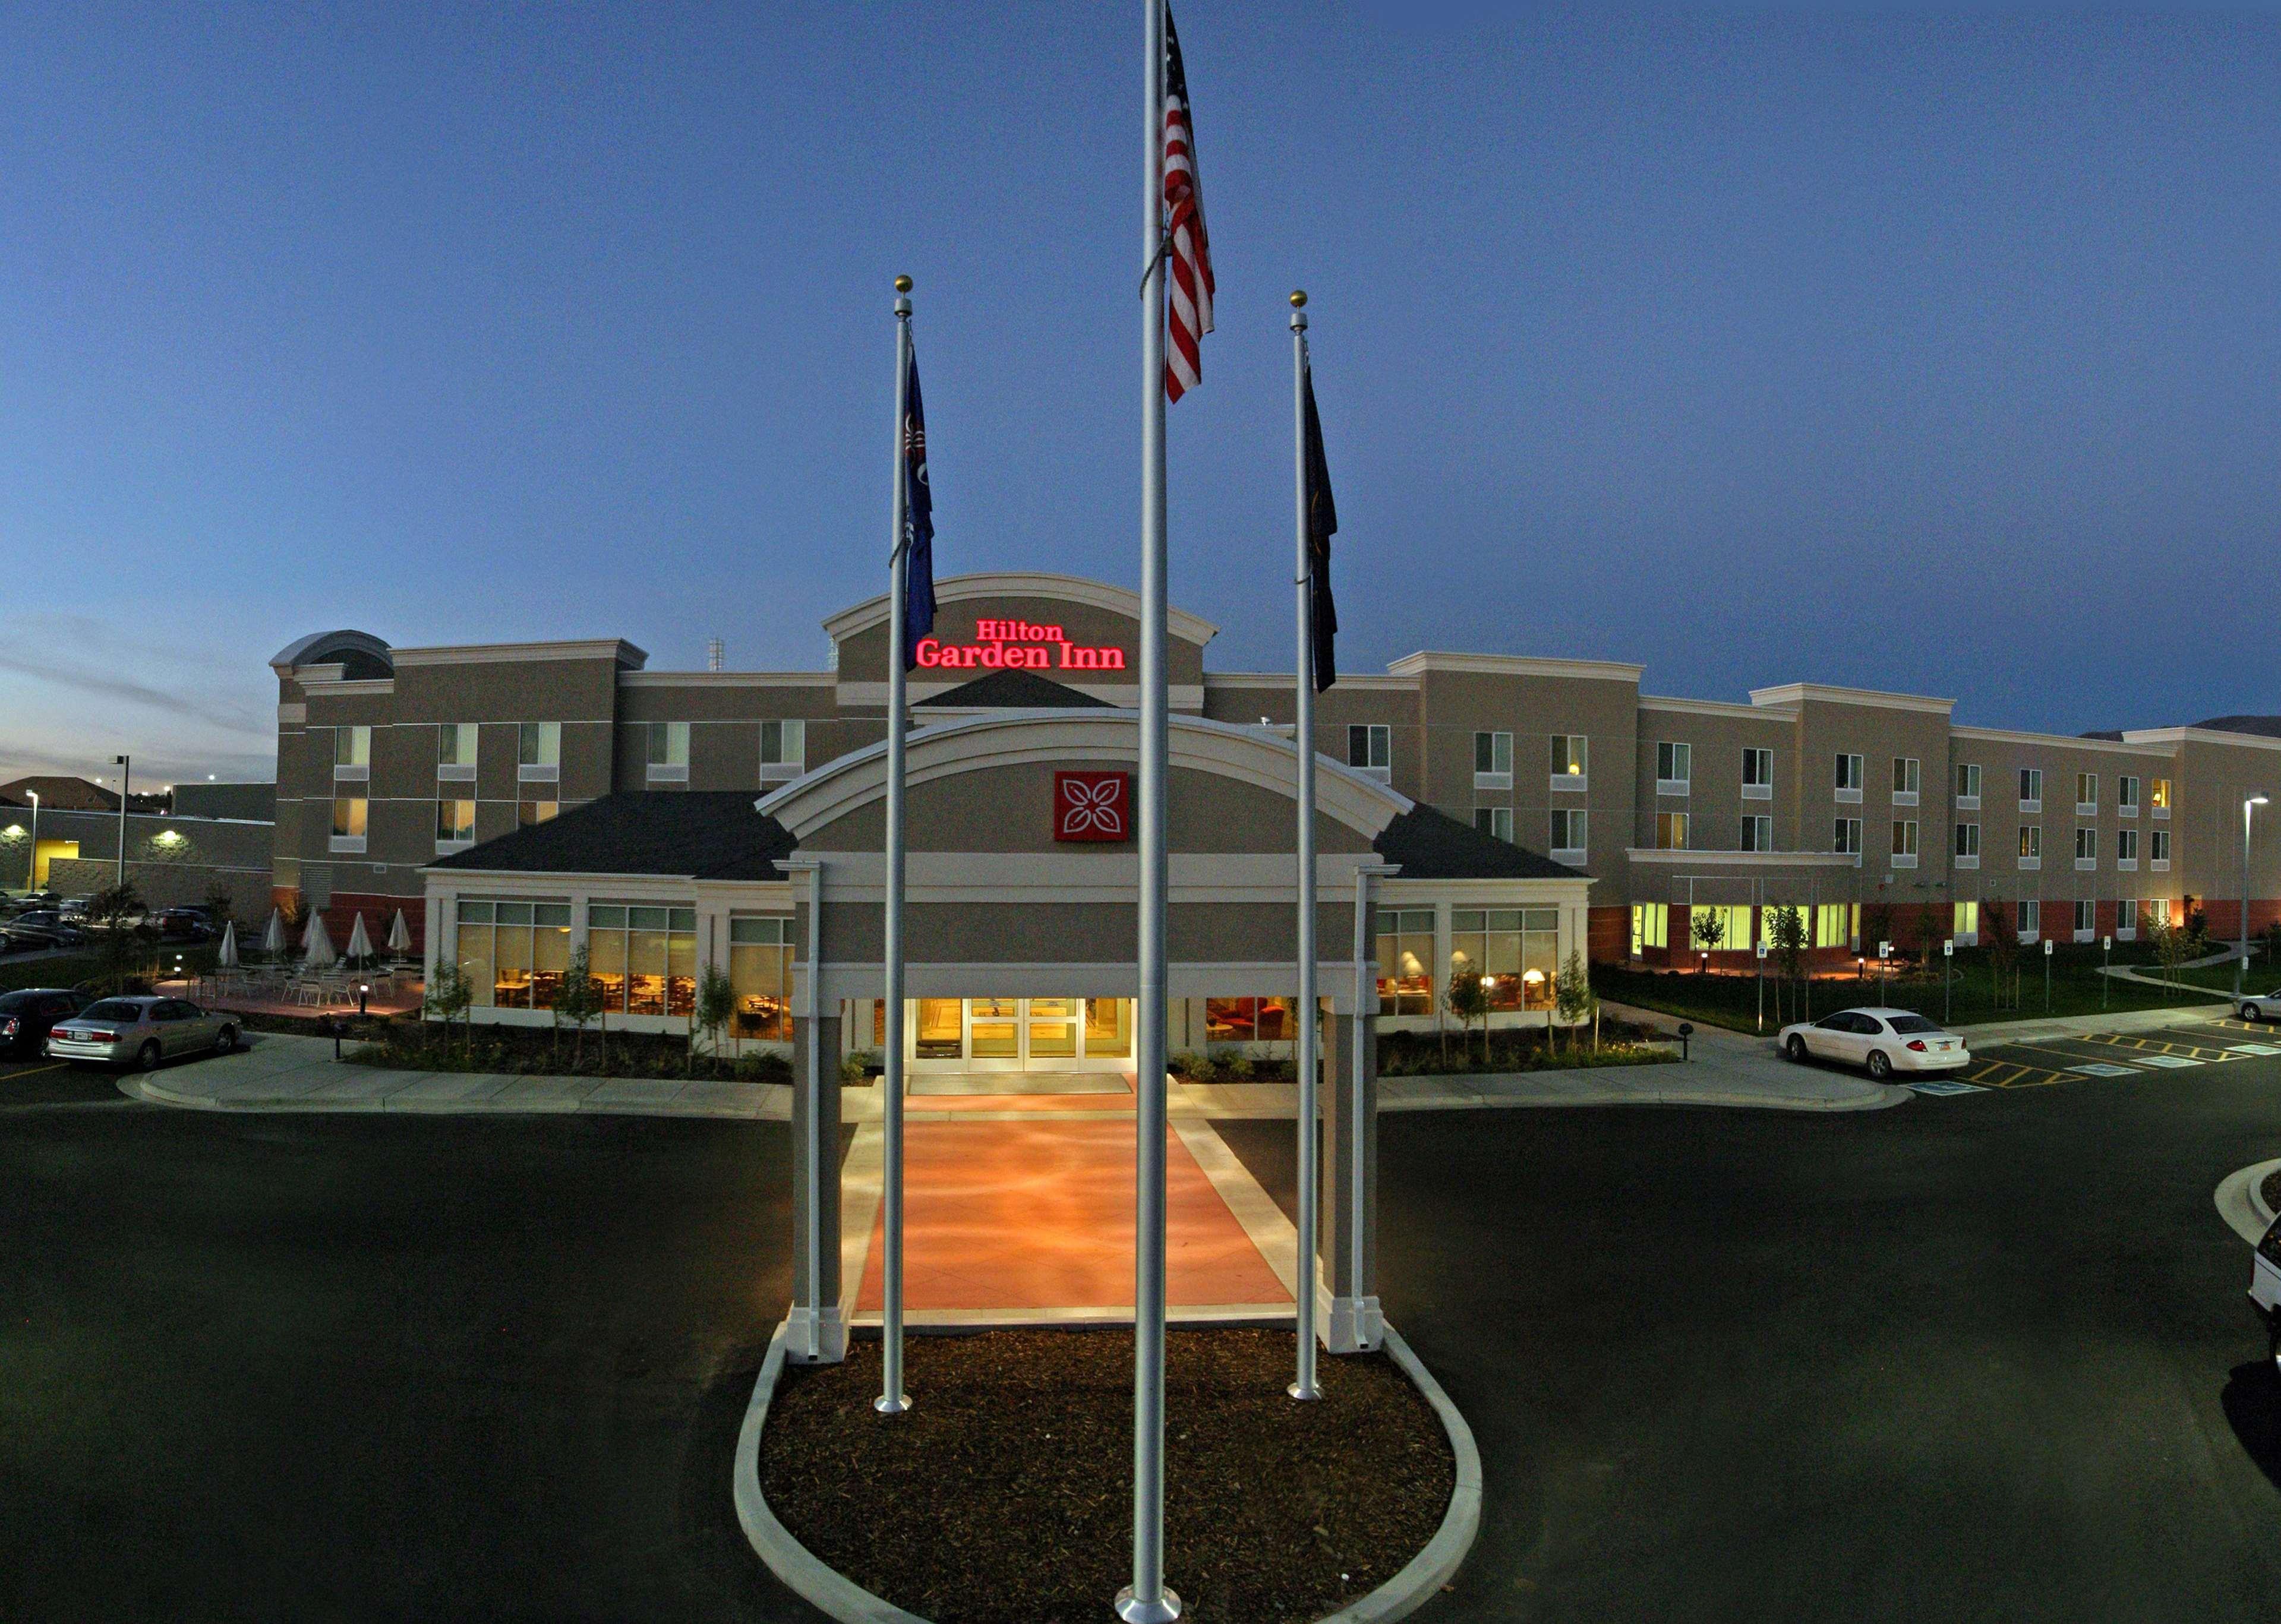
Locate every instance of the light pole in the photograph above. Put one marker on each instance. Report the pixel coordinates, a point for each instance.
(32, 869)
(126, 770)
(2249, 805)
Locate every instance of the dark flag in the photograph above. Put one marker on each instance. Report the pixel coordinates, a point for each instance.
(919, 523)
(1322, 524)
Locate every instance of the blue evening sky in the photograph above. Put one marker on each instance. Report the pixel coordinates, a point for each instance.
(1872, 348)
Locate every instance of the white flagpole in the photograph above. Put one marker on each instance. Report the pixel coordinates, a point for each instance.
(1146, 1600)
(891, 1399)
(1305, 1012)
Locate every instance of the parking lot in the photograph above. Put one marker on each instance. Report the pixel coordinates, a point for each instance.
(2179, 1050)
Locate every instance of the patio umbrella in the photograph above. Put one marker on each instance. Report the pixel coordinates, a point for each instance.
(317, 946)
(273, 939)
(399, 934)
(226, 959)
(359, 943)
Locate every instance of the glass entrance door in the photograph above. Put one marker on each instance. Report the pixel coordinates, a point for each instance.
(1014, 1034)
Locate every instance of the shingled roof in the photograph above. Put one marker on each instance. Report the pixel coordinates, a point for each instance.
(1012, 690)
(1430, 844)
(700, 833)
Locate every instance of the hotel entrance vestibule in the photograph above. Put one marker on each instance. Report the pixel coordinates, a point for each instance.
(1013, 1035)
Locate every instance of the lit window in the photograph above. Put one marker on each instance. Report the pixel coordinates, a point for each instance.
(1568, 757)
(349, 822)
(1965, 922)
(530, 812)
(351, 747)
(2031, 843)
(455, 823)
(1671, 831)
(1248, 1020)
(1406, 961)
(1651, 926)
(760, 971)
(2158, 797)
(1514, 950)
(645, 957)
(1833, 923)
(514, 953)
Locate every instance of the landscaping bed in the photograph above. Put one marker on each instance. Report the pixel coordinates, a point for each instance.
(1008, 1486)
(411, 1044)
(2269, 1191)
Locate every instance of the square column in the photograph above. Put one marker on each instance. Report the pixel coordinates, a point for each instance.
(1349, 1233)
(817, 1327)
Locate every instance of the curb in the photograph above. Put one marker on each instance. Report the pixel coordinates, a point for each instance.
(832, 1592)
(2241, 1207)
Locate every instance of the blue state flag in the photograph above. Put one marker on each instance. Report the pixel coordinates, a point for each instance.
(918, 523)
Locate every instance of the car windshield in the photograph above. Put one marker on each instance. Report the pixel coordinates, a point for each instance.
(112, 1009)
(1912, 1023)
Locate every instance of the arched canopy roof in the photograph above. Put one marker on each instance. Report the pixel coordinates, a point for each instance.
(343, 647)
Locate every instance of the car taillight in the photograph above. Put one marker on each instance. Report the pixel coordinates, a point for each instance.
(1917, 1044)
(10, 1029)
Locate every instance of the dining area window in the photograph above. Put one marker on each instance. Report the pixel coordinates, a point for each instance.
(759, 973)
(1406, 961)
(1515, 951)
(1248, 1020)
(514, 953)
(645, 957)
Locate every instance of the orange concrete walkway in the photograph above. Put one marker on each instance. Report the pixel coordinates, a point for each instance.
(1037, 1215)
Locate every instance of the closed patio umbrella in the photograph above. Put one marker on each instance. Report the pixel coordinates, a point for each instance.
(399, 934)
(359, 943)
(226, 959)
(273, 939)
(316, 946)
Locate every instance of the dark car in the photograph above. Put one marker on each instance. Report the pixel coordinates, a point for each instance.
(181, 925)
(27, 1017)
(42, 928)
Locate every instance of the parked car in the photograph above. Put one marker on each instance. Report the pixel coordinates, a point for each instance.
(2264, 1006)
(2265, 1290)
(141, 1032)
(1884, 1040)
(181, 925)
(27, 1016)
(42, 928)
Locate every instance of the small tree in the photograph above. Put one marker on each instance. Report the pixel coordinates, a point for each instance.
(219, 904)
(118, 951)
(1786, 945)
(1999, 934)
(2173, 946)
(1468, 1000)
(449, 997)
(2269, 943)
(1876, 927)
(716, 1007)
(1571, 995)
(2197, 925)
(1708, 928)
(578, 1000)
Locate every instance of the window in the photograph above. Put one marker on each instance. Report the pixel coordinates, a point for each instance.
(2031, 845)
(1968, 844)
(1568, 767)
(352, 752)
(2086, 794)
(1674, 768)
(1406, 961)
(1651, 926)
(1770, 918)
(1495, 821)
(455, 751)
(1757, 833)
(645, 958)
(530, 812)
(2086, 845)
(2031, 790)
(2126, 795)
(1369, 749)
(514, 953)
(2158, 797)
(1758, 775)
(1492, 761)
(538, 750)
(1515, 950)
(1729, 925)
(1568, 835)
(784, 750)
(1906, 785)
(668, 752)
(1671, 831)
(1245, 1021)
(2030, 919)
(1845, 837)
(2158, 850)
(348, 822)
(1904, 842)
(1833, 924)
(2086, 919)
(2126, 919)
(1967, 785)
(1849, 777)
(455, 823)
(2126, 850)
(760, 971)
(1965, 922)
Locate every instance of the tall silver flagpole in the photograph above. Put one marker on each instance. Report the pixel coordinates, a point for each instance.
(891, 1399)
(1145, 1600)
(1305, 1013)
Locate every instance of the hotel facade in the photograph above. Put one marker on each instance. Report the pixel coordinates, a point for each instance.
(518, 802)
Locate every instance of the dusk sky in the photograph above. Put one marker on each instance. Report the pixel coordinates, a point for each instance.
(1873, 348)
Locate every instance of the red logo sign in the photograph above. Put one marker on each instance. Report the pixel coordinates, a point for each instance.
(1093, 806)
(1019, 645)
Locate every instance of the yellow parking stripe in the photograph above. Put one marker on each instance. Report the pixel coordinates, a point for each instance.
(34, 1070)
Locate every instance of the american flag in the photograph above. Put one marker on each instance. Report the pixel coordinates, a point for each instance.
(1187, 245)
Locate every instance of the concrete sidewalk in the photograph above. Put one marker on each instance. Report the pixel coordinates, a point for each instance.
(279, 1072)
(1991, 1034)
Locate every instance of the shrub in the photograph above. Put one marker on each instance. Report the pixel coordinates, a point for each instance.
(768, 1068)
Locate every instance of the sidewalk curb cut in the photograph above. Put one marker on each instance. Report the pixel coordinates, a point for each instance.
(2241, 1207)
(834, 1593)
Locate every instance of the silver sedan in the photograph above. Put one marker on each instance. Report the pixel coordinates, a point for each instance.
(141, 1032)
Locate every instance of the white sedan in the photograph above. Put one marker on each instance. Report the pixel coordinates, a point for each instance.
(2266, 1007)
(1884, 1040)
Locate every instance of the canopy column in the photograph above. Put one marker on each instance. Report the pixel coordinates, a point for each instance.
(1349, 1240)
(815, 1329)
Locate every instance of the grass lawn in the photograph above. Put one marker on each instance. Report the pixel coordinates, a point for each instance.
(1732, 1001)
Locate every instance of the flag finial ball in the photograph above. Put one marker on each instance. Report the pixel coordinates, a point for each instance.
(902, 284)
(1299, 298)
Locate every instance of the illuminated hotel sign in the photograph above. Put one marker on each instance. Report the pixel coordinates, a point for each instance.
(1017, 645)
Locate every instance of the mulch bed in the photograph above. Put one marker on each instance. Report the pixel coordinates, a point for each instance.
(2271, 1190)
(1005, 1493)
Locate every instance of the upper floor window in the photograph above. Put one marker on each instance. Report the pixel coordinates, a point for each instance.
(1568, 835)
(540, 749)
(2158, 797)
(668, 752)
(1849, 776)
(1904, 842)
(352, 752)
(2126, 848)
(528, 814)
(784, 750)
(2086, 845)
(349, 822)
(1845, 837)
(1370, 747)
(2158, 850)
(2031, 790)
(1906, 784)
(455, 750)
(1757, 833)
(1671, 831)
(2126, 795)
(2087, 793)
(1967, 785)
(1968, 843)
(1675, 767)
(455, 823)
(1493, 761)
(1569, 767)
(1757, 774)
(1495, 821)
(2030, 919)
(2031, 845)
